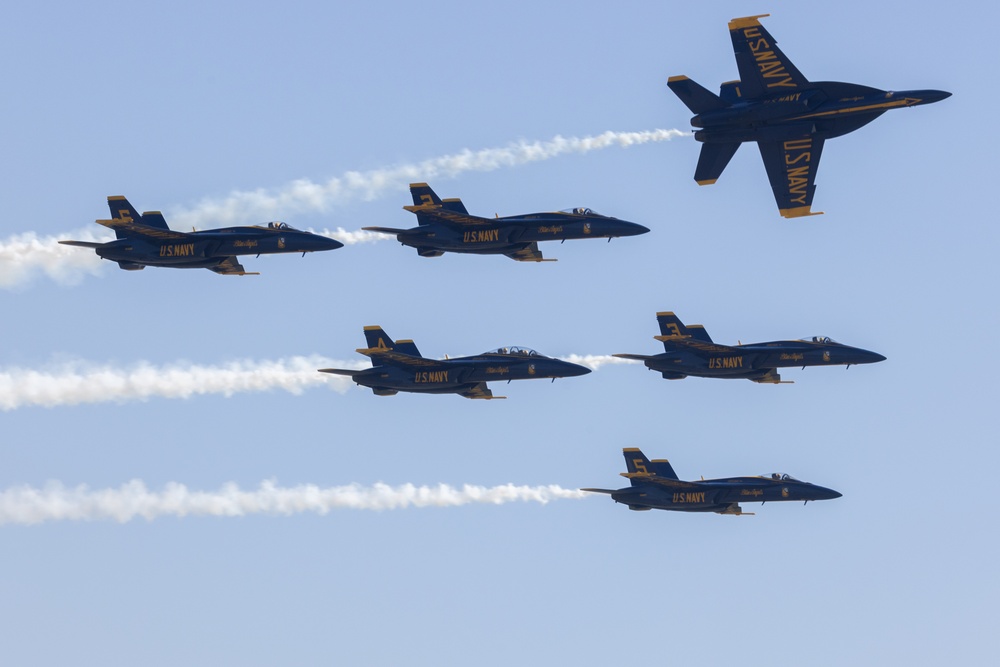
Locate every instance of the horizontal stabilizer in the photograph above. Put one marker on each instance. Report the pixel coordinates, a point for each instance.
(385, 230)
(82, 244)
(634, 357)
(695, 97)
(608, 491)
(712, 161)
(338, 371)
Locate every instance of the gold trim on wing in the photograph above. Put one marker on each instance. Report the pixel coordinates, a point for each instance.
(746, 22)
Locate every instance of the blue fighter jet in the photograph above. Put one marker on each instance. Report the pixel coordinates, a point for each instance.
(788, 116)
(398, 366)
(689, 350)
(655, 486)
(145, 240)
(444, 225)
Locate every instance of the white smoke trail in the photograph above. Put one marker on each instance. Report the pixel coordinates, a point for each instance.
(595, 361)
(305, 195)
(78, 382)
(81, 382)
(24, 256)
(56, 502)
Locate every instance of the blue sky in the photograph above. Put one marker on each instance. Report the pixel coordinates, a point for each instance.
(175, 107)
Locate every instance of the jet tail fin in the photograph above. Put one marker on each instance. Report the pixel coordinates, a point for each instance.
(636, 462)
(455, 204)
(375, 336)
(672, 327)
(425, 200)
(407, 347)
(423, 195)
(124, 214)
(695, 97)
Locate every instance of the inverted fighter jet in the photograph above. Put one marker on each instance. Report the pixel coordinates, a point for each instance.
(689, 350)
(398, 366)
(787, 115)
(444, 225)
(655, 486)
(145, 240)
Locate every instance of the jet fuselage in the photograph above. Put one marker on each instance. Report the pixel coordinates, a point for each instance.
(500, 235)
(454, 375)
(829, 109)
(206, 248)
(719, 495)
(744, 361)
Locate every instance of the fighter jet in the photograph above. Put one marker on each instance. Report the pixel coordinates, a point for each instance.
(690, 351)
(655, 486)
(788, 116)
(444, 225)
(398, 366)
(145, 240)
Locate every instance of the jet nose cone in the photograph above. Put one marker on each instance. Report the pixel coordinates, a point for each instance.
(822, 493)
(326, 243)
(568, 369)
(867, 357)
(926, 96)
(632, 229)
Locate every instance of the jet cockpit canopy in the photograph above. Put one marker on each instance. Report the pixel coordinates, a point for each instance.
(782, 477)
(580, 210)
(819, 339)
(514, 351)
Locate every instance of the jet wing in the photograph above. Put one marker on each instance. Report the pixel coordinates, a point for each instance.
(770, 376)
(791, 168)
(139, 229)
(529, 253)
(393, 358)
(480, 391)
(764, 69)
(230, 267)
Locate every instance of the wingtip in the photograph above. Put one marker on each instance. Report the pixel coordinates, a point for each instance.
(798, 212)
(746, 21)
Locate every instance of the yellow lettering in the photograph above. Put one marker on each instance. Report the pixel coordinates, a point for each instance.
(805, 155)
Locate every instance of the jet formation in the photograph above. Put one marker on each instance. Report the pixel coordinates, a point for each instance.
(655, 485)
(689, 350)
(146, 240)
(445, 225)
(398, 366)
(787, 115)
